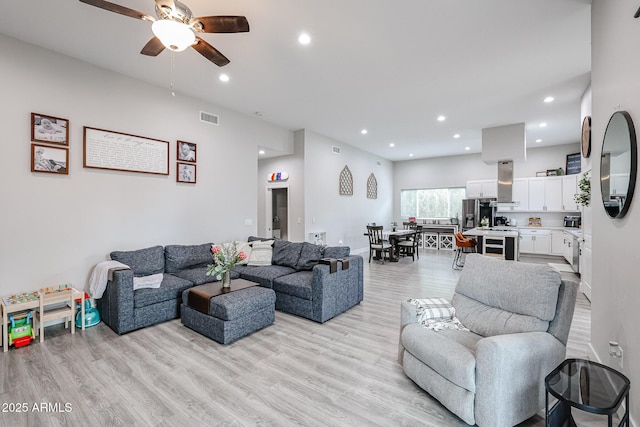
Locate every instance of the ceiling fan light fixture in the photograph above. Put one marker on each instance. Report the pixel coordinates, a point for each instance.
(174, 35)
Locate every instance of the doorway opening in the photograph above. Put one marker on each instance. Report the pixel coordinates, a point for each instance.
(278, 213)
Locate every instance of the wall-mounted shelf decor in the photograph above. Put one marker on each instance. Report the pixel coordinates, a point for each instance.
(105, 149)
(346, 182)
(372, 187)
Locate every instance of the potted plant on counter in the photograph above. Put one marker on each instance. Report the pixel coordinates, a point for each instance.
(583, 197)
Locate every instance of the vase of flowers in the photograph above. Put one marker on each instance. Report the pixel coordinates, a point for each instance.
(225, 256)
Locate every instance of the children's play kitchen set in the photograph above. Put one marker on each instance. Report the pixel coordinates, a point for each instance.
(21, 322)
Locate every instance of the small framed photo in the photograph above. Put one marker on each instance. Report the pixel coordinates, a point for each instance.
(543, 173)
(49, 159)
(186, 172)
(186, 152)
(49, 129)
(552, 172)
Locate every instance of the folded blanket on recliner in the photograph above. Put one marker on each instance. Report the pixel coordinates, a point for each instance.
(437, 314)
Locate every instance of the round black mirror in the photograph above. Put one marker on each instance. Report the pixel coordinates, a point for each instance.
(618, 164)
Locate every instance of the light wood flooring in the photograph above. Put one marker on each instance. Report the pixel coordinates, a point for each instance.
(295, 372)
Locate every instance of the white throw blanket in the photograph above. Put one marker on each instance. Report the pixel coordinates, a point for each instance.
(437, 314)
(151, 281)
(100, 275)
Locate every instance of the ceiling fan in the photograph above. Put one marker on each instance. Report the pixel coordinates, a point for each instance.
(175, 28)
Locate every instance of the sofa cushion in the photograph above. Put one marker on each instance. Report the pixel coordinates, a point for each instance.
(179, 257)
(236, 305)
(295, 284)
(516, 287)
(310, 255)
(263, 275)
(198, 275)
(488, 321)
(450, 353)
(337, 251)
(261, 253)
(286, 253)
(170, 289)
(143, 262)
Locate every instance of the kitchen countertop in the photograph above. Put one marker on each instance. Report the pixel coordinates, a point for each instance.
(489, 232)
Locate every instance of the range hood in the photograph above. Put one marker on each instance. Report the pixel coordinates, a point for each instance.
(505, 185)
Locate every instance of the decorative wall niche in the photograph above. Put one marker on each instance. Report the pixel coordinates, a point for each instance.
(372, 187)
(346, 182)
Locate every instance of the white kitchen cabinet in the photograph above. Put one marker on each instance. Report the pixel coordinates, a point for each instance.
(545, 194)
(568, 247)
(619, 184)
(557, 242)
(535, 241)
(482, 189)
(569, 190)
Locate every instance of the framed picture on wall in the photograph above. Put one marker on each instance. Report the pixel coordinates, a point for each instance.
(49, 129)
(186, 172)
(49, 159)
(186, 152)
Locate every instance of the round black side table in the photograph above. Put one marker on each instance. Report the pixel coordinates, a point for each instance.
(588, 386)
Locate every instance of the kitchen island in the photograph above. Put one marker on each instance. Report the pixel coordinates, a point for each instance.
(500, 242)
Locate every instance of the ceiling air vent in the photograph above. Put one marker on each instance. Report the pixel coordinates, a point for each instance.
(335, 150)
(379, 163)
(212, 119)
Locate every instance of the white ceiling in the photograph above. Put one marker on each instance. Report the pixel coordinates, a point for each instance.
(388, 66)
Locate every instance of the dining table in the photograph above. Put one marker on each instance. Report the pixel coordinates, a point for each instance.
(394, 237)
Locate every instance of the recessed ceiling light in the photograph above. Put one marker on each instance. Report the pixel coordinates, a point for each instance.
(543, 125)
(392, 145)
(456, 136)
(304, 38)
(364, 131)
(441, 118)
(224, 78)
(467, 148)
(261, 152)
(538, 140)
(411, 155)
(549, 99)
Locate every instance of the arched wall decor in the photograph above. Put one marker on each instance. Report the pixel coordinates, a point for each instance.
(372, 187)
(346, 182)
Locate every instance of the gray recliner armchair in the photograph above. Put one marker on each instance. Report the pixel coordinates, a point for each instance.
(519, 316)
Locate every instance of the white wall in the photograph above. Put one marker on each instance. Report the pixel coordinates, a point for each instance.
(615, 288)
(55, 228)
(344, 218)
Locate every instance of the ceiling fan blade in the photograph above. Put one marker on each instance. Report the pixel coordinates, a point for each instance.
(112, 7)
(153, 47)
(210, 52)
(221, 24)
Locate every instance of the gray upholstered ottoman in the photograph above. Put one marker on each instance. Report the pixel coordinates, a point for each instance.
(232, 315)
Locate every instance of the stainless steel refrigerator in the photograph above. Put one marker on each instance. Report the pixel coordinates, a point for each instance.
(473, 210)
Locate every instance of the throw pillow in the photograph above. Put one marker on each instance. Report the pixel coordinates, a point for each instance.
(246, 248)
(261, 253)
(286, 253)
(309, 256)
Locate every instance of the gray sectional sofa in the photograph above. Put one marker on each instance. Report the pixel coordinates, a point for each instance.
(303, 286)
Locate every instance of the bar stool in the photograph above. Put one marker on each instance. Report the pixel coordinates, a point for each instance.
(464, 245)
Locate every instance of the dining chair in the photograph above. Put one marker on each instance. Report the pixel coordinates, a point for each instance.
(376, 243)
(409, 246)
